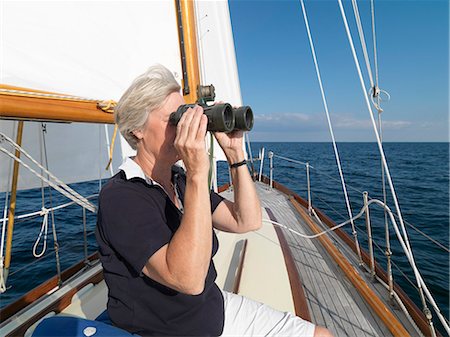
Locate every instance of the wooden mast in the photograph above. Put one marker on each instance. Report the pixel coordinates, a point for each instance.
(188, 48)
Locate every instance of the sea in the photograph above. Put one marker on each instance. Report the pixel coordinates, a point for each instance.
(420, 174)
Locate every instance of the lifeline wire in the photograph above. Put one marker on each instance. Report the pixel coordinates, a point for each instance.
(404, 240)
(397, 232)
(437, 243)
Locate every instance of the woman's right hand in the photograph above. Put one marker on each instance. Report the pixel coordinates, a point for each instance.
(190, 141)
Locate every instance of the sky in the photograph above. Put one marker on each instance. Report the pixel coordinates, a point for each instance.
(278, 78)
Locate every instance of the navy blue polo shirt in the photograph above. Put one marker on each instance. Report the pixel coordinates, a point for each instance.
(135, 219)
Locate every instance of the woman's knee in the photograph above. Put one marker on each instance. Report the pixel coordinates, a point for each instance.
(322, 332)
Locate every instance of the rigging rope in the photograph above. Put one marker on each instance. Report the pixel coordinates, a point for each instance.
(70, 193)
(80, 202)
(398, 234)
(336, 153)
(29, 215)
(437, 243)
(404, 240)
(44, 229)
(374, 90)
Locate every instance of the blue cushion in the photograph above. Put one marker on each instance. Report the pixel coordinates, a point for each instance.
(104, 318)
(76, 327)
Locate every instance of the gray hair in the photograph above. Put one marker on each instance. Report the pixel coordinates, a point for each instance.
(147, 92)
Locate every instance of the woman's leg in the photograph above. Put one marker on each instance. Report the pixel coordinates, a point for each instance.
(245, 317)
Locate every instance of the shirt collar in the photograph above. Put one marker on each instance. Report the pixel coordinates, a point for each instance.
(133, 170)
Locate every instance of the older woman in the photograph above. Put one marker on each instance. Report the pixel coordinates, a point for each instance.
(155, 224)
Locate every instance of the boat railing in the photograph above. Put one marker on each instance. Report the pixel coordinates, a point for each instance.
(367, 231)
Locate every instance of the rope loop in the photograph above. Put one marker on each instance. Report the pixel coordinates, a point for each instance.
(107, 106)
(2, 279)
(44, 229)
(375, 94)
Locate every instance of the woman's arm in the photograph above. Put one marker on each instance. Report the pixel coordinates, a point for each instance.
(244, 214)
(183, 263)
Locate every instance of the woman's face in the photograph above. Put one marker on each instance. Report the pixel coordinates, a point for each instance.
(158, 134)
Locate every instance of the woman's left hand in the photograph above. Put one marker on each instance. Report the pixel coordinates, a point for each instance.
(230, 143)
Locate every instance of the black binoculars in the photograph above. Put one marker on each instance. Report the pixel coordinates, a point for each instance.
(221, 117)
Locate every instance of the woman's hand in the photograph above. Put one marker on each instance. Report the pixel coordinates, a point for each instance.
(231, 144)
(190, 141)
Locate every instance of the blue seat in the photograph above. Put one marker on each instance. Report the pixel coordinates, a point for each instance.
(104, 318)
(65, 326)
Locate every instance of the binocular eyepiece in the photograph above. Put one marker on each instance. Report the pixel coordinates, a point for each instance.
(221, 117)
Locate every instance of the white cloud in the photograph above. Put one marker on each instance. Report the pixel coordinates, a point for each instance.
(292, 126)
(283, 121)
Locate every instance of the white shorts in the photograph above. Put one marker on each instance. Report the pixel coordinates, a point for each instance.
(245, 317)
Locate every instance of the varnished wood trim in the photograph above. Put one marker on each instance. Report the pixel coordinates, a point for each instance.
(385, 314)
(41, 290)
(57, 306)
(44, 109)
(237, 280)
(298, 294)
(416, 314)
(222, 188)
(190, 47)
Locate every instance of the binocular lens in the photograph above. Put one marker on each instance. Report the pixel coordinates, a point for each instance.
(243, 118)
(221, 117)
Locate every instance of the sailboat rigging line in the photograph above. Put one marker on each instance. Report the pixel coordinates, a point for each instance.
(90, 206)
(374, 39)
(336, 152)
(87, 205)
(357, 216)
(399, 302)
(55, 236)
(29, 215)
(403, 240)
(252, 165)
(374, 91)
(318, 171)
(44, 211)
(86, 259)
(363, 41)
(44, 230)
(111, 147)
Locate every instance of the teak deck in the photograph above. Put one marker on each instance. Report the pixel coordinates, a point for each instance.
(332, 300)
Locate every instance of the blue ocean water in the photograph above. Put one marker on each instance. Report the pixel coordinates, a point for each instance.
(420, 173)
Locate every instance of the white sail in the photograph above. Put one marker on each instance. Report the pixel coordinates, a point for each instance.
(87, 49)
(95, 50)
(217, 55)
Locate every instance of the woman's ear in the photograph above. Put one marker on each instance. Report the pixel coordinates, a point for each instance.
(138, 134)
